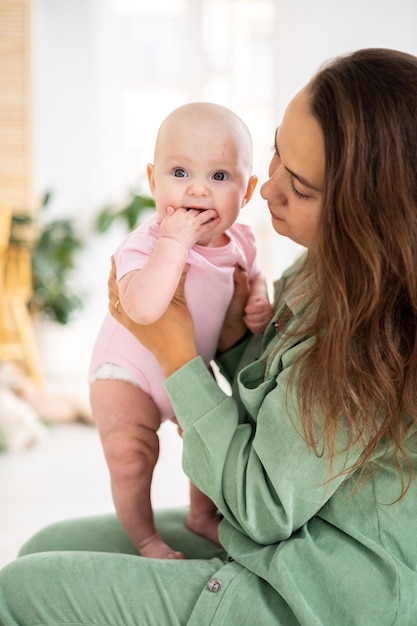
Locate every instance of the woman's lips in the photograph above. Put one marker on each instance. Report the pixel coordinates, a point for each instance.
(276, 217)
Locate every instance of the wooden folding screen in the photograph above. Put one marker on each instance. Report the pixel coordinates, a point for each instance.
(16, 105)
(17, 341)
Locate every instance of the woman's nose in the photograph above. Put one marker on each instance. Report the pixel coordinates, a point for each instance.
(272, 188)
(266, 188)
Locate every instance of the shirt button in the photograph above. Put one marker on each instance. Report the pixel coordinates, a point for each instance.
(214, 585)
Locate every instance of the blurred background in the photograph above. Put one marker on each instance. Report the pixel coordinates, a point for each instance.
(84, 86)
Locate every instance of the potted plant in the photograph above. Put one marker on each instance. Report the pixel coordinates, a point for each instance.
(128, 214)
(54, 246)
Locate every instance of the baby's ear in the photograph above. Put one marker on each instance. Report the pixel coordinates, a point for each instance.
(149, 174)
(253, 181)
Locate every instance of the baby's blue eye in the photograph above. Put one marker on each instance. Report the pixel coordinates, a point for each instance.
(219, 176)
(179, 172)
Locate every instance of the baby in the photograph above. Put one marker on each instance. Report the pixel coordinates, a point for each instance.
(200, 179)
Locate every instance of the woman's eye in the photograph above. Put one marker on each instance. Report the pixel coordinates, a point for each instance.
(179, 172)
(297, 194)
(219, 176)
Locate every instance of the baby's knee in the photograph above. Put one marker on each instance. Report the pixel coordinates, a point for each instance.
(130, 456)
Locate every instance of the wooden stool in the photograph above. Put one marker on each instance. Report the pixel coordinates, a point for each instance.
(17, 340)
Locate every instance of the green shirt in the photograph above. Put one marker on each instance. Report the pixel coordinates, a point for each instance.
(306, 551)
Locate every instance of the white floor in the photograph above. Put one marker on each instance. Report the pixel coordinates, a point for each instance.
(65, 476)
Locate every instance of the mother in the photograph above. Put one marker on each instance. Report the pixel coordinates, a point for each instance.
(312, 461)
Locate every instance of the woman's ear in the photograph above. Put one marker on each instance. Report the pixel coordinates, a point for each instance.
(149, 174)
(253, 181)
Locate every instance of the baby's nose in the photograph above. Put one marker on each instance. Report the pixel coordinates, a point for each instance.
(197, 187)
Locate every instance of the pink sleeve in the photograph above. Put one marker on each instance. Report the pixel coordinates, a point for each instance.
(134, 251)
(245, 239)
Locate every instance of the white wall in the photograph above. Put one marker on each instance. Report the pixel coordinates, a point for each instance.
(107, 71)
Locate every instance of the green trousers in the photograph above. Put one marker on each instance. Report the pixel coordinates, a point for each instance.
(87, 572)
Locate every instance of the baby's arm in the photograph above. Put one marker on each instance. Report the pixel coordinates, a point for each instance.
(145, 294)
(258, 309)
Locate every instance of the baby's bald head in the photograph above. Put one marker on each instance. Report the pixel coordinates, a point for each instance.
(217, 120)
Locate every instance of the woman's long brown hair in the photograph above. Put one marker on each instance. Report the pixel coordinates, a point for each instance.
(363, 366)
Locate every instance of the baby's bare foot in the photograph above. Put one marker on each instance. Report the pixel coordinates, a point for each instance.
(155, 548)
(205, 524)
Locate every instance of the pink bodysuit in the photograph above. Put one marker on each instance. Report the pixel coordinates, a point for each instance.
(208, 290)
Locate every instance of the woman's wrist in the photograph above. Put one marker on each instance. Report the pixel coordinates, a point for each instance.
(172, 362)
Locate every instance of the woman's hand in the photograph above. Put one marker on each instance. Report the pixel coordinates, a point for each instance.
(171, 338)
(234, 328)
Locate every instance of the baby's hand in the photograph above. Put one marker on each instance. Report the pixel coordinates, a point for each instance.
(258, 314)
(187, 226)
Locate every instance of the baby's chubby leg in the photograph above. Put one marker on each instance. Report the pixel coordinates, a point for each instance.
(203, 518)
(128, 421)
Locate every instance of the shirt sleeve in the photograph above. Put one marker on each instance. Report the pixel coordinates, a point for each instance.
(250, 456)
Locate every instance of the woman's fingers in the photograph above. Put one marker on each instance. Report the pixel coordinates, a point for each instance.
(112, 287)
(234, 327)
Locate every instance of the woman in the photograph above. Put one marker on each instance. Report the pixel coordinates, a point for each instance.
(312, 462)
